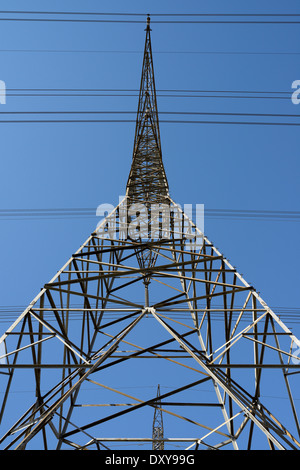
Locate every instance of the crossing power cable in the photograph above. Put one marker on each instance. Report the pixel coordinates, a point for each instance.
(258, 214)
(161, 112)
(205, 18)
(170, 90)
(291, 314)
(156, 52)
(131, 21)
(119, 121)
(72, 92)
(94, 13)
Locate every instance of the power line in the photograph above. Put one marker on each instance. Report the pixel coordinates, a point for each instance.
(202, 113)
(136, 90)
(144, 14)
(119, 121)
(156, 52)
(88, 20)
(105, 93)
(249, 214)
(290, 314)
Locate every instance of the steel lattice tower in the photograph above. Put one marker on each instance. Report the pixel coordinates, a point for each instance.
(140, 303)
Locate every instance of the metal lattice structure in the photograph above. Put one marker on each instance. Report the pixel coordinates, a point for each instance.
(148, 299)
(158, 425)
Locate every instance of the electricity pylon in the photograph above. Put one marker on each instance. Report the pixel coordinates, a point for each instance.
(148, 299)
(158, 425)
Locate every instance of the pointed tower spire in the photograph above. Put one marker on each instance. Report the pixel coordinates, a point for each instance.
(147, 182)
(135, 311)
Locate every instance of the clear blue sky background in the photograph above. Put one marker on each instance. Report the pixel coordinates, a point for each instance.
(83, 165)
